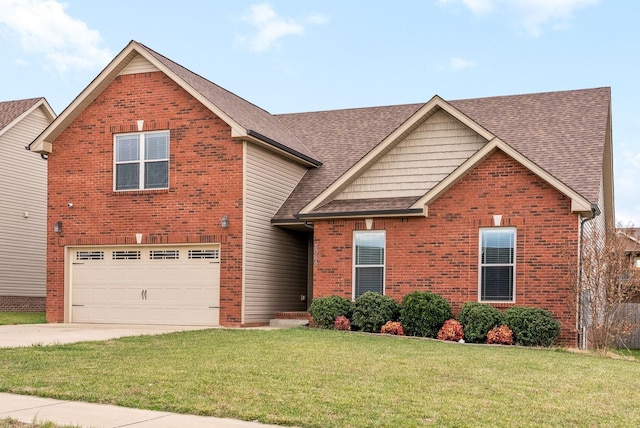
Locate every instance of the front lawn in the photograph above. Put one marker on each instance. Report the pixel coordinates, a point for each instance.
(7, 318)
(320, 378)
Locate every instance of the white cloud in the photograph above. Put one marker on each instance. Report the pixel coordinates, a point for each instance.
(457, 64)
(270, 27)
(44, 27)
(532, 15)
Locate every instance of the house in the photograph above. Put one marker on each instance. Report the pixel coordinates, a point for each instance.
(172, 200)
(23, 205)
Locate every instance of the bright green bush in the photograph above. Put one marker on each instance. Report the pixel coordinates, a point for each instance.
(477, 319)
(372, 310)
(532, 326)
(422, 313)
(325, 310)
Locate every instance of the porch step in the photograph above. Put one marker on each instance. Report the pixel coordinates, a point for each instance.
(290, 319)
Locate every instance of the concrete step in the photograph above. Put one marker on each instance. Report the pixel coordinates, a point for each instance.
(288, 323)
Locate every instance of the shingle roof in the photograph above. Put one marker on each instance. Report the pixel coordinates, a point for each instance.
(10, 110)
(562, 132)
(246, 114)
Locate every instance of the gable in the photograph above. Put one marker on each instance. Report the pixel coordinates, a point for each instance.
(418, 162)
(139, 64)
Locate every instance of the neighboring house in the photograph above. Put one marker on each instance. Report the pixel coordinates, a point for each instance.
(172, 200)
(631, 238)
(23, 205)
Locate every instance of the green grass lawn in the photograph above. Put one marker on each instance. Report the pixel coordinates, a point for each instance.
(320, 378)
(7, 318)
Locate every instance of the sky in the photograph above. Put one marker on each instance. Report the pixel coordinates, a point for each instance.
(292, 56)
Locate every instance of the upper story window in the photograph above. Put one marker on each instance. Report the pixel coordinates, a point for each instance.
(368, 261)
(497, 264)
(142, 161)
(636, 262)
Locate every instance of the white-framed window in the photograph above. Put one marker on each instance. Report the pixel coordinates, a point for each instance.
(141, 161)
(636, 262)
(368, 261)
(497, 271)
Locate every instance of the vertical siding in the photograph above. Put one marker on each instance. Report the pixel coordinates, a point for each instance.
(275, 259)
(419, 162)
(23, 189)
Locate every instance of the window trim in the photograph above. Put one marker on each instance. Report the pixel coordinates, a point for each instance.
(141, 160)
(354, 266)
(513, 264)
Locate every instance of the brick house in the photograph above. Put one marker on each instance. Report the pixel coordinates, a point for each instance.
(23, 205)
(172, 200)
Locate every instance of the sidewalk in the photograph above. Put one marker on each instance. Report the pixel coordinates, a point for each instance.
(35, 409)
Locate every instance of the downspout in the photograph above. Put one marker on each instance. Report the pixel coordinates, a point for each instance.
(582, 336)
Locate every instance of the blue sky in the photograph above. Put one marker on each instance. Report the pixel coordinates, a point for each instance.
(291, 56)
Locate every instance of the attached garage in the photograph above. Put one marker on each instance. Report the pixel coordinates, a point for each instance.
(174, 285)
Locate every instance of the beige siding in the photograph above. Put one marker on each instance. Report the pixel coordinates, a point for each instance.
(275, 259)
(419, 162)
(23, 210)
(139, 65)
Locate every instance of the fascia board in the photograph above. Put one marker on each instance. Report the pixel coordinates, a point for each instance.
(578, 203)
(103, 79)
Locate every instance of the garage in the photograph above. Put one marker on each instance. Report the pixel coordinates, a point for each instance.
(174, 285)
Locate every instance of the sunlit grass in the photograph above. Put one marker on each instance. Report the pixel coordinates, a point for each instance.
(319, 378)
(22, 318)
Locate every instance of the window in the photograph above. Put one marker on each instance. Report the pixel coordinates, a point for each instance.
(368, 262)
(636, 262)
(497, 264)
(142, 161)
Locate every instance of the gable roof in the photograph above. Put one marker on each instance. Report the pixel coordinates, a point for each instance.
(564, 137)
(11, 112)
(245, 119)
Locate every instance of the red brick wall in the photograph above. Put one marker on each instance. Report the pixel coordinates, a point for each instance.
(205, 180)
(440, 252)
(22, 304)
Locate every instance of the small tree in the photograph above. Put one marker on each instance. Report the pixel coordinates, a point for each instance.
(607, 283)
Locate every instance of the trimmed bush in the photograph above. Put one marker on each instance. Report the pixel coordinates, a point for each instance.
(372, 310)
(532, 326)
(477, 319)
(500, 336)
(342, 323)
(325, 310)
(392, 327)
(422, 313)
(451, 330)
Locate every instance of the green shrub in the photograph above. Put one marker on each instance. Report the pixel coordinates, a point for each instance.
(372, 310)
(325, 310)
(477, 319)
(532, 326)
(422, 313)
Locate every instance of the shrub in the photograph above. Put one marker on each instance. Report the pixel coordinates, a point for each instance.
(532, 326)
(342, 323)
(422, 313)
(500, 335)
(392, 327)
(372, 310)
(477, 319)
(451, 330)
(325, 310)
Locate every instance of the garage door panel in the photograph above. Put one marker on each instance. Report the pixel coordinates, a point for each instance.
(149, 285)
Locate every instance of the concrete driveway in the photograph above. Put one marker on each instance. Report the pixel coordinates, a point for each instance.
(12, 336)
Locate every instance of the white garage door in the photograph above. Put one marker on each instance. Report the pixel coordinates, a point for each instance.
(146, 285)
